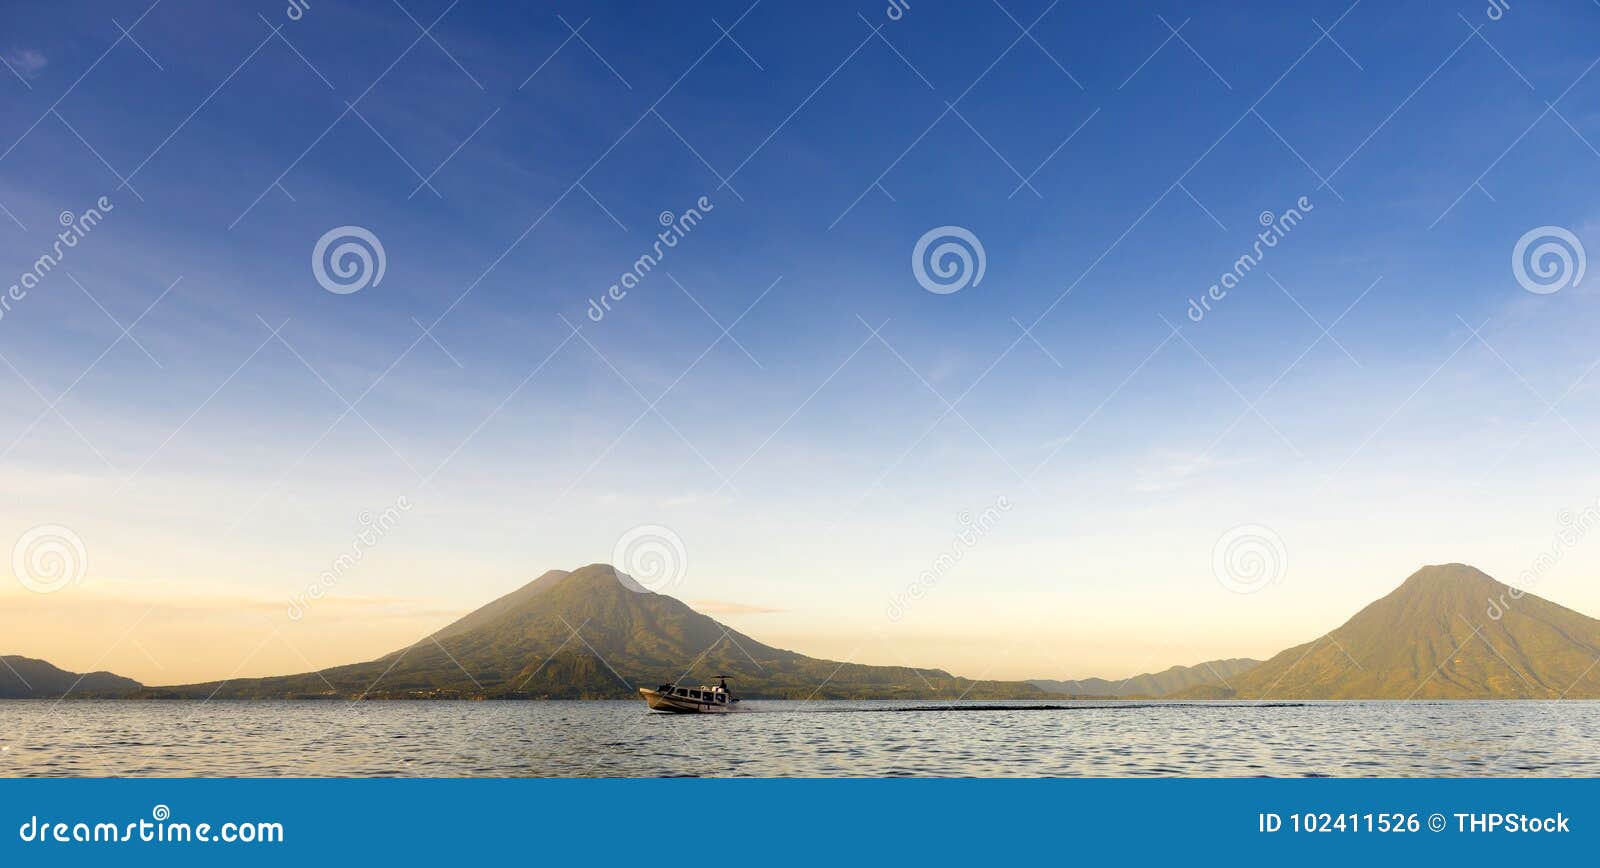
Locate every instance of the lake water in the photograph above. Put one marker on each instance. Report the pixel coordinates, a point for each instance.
(817, 739)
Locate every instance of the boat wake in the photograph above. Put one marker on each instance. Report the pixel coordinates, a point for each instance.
(969, 707)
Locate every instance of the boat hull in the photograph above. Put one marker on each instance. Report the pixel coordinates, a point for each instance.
(659, 701)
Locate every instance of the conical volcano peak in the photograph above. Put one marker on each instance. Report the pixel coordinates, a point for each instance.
(596, 573)
(1454, 585)
(593, 633)
(1442, 574)
(604, 579)
(1449, 631)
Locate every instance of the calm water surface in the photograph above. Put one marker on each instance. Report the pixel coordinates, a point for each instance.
(826, 739)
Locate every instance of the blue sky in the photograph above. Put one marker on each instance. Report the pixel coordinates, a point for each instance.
(799, 459)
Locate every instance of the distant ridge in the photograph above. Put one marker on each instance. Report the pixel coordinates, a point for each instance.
(1448, 632)
(27, 678)
(1154, 685)
(585, 634)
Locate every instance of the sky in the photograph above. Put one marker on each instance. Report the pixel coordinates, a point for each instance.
(776, 404)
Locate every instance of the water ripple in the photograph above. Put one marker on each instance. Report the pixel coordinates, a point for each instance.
(577, 739)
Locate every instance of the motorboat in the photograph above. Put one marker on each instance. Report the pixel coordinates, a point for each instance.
(679, 699)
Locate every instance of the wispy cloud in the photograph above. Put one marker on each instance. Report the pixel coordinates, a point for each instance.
(192, 600)
(725, 607)
(1171, 470)
(26, 63)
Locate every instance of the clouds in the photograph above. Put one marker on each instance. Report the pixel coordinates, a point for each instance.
(25, 63)
(255, 456)
(728, 607)
(1171, 469)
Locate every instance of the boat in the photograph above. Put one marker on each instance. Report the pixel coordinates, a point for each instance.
(678, 699)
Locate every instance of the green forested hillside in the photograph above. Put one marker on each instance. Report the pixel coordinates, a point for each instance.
(27, 678)
(584, 635)
(1448, 632)
(1154, 684)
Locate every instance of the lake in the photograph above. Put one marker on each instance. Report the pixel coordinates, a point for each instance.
(815, 739)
